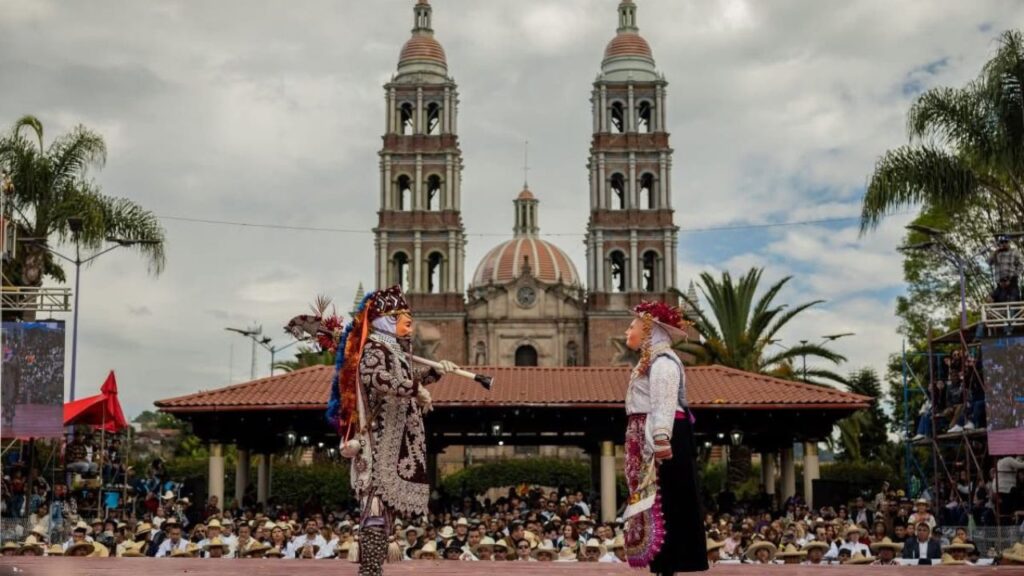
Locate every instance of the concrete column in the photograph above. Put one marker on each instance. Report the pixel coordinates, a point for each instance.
(417, 186)
(630, 110)
(634, 269)
(215, 479)
(631, 187)
(446, 124)
(593, 185)
(263, 478)
(419, 112)
(389, 111)
(453, 259)
(382, 261)
(599, 261)
(241, 474)
(602, 183)
(768, 471)
(608, 503)
(811, 470)
(659, 101)
(449, 196)
(604, 109)
(662, 181)
(788, 474)
(387, 192)
(417, 267)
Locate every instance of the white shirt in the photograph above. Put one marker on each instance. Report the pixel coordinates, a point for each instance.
(1006, 473)
(300, 541)
(658, 394)
(166, 547)
(922, 548)
(327, 550)
(610, 557)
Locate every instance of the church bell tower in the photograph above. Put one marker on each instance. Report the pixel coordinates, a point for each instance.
(419, 238)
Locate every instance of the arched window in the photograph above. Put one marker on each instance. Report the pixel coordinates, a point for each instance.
(480, 354)
(643, 117)
(433, 192)
(618, 192)
(649, 278)
(400, 270)
(403, 193)
(433, 119)
(617, 118)
(572, 354)
(526, 355)
(645, 201)
(617, 261)
(405, 111)
(435, 272)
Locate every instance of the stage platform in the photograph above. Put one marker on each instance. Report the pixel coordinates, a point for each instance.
(192, 567)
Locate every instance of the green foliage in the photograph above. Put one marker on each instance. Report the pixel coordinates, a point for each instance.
(863, 434)
(306, 356)
(741, 327)
(49, 184)
(553, 472)
(865, 473)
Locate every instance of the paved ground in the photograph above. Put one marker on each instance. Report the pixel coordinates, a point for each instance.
(192, 567)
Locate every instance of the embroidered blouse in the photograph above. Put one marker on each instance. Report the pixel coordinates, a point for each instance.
(660, 393)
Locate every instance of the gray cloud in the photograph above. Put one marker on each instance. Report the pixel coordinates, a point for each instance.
(778, 110)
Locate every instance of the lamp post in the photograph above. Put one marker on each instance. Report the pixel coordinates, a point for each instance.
(803, 357)
(250, 333)
(266, 343)
(76, 224)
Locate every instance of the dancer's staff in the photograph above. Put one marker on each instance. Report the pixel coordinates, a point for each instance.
(483, 380)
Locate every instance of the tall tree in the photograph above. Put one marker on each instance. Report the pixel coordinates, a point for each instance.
(864, 434)
(738, 331)
(48, 185)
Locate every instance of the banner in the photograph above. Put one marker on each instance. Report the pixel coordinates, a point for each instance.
(1003, 372)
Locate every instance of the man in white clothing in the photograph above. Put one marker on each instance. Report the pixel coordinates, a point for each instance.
(173, 542)
(312, 537)
(852, 543)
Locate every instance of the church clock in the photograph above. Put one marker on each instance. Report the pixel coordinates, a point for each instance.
(526, 296)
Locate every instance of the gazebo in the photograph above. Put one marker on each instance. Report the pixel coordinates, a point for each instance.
(580, 406)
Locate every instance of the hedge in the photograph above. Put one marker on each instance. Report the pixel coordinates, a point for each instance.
(553, 472)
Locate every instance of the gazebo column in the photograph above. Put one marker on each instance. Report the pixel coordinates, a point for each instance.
(811, 470)
(768, 473)
(263, 478)
(241, 474)
(788, 475)
(216, 473)
(432, 468)
(608, 504)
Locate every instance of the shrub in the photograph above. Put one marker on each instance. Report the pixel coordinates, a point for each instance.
(554, 472)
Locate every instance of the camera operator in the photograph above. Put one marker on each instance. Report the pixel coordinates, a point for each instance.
(1006, 269)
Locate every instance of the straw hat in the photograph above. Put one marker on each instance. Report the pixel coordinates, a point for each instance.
(39, 530)
(851, 529)
(501, 544)
(752, 550)
(584, 520)
(31, 544)
(1014, 554)
(81, 527)
(256, 550)
(215, 543)
(9, 545)
(88, 547)
(133, 550)
(620, 542)
(948, 560)
(594, 543)
(189, 551)
(55, 550)
(817, 544)
(462, 522)
(268, 525)
(447, 533)
(485, 542)
(791, 551)
(214, 523)
(860, 558)
(566, 554)
(273, 552)
(143, 529)
(416, 529)
(428, 551)
(887, 543)
(168, 495)
(531, 538)
(711, 544)
(957, 544)
(545, 549)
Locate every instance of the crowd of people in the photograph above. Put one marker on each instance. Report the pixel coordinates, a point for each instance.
(527, 525)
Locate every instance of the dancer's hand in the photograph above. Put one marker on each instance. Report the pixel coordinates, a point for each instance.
(448, 366)
(424, 400)
(662, 449)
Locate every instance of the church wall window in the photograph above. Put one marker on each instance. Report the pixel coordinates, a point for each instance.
(617, 118)
(407, 119)
(433, 119)
(617, 271)
(403, 193)
(433, 192)
(572, 354)
(480, 354)
(646, 194)
(435, 273)
(400, 272)
(526, 355)
(617, 184)
(643, 117)
(649, 277)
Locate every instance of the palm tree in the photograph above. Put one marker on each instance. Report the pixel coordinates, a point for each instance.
(966, 147)
(47, 185)
(738, 333)
(739, 330)
(306, 356)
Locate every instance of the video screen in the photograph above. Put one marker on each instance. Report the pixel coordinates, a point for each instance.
(32, 380)
(1003, 364)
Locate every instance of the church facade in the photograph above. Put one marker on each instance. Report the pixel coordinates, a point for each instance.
(525, 303)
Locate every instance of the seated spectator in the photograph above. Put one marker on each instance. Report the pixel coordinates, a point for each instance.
(922, 547)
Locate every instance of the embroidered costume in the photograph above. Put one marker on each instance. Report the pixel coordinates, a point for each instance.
(664, 528)
(377, 405)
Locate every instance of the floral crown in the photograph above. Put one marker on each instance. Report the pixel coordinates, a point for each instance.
(661, 313)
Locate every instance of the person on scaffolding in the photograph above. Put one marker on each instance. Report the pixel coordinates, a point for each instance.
(1006, 269)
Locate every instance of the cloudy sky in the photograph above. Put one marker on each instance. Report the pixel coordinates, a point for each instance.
(271, 112)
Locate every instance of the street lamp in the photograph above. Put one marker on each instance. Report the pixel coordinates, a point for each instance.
(803, 357)
(251, 333)
(736, 437)
(266, 343)
(76, 225)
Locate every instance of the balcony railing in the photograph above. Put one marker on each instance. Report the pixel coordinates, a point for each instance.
(35, 299)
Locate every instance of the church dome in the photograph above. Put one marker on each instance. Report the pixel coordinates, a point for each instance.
(422, 57)
(628, 56)
(422, 47)
(508, 260)
(628, 44)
